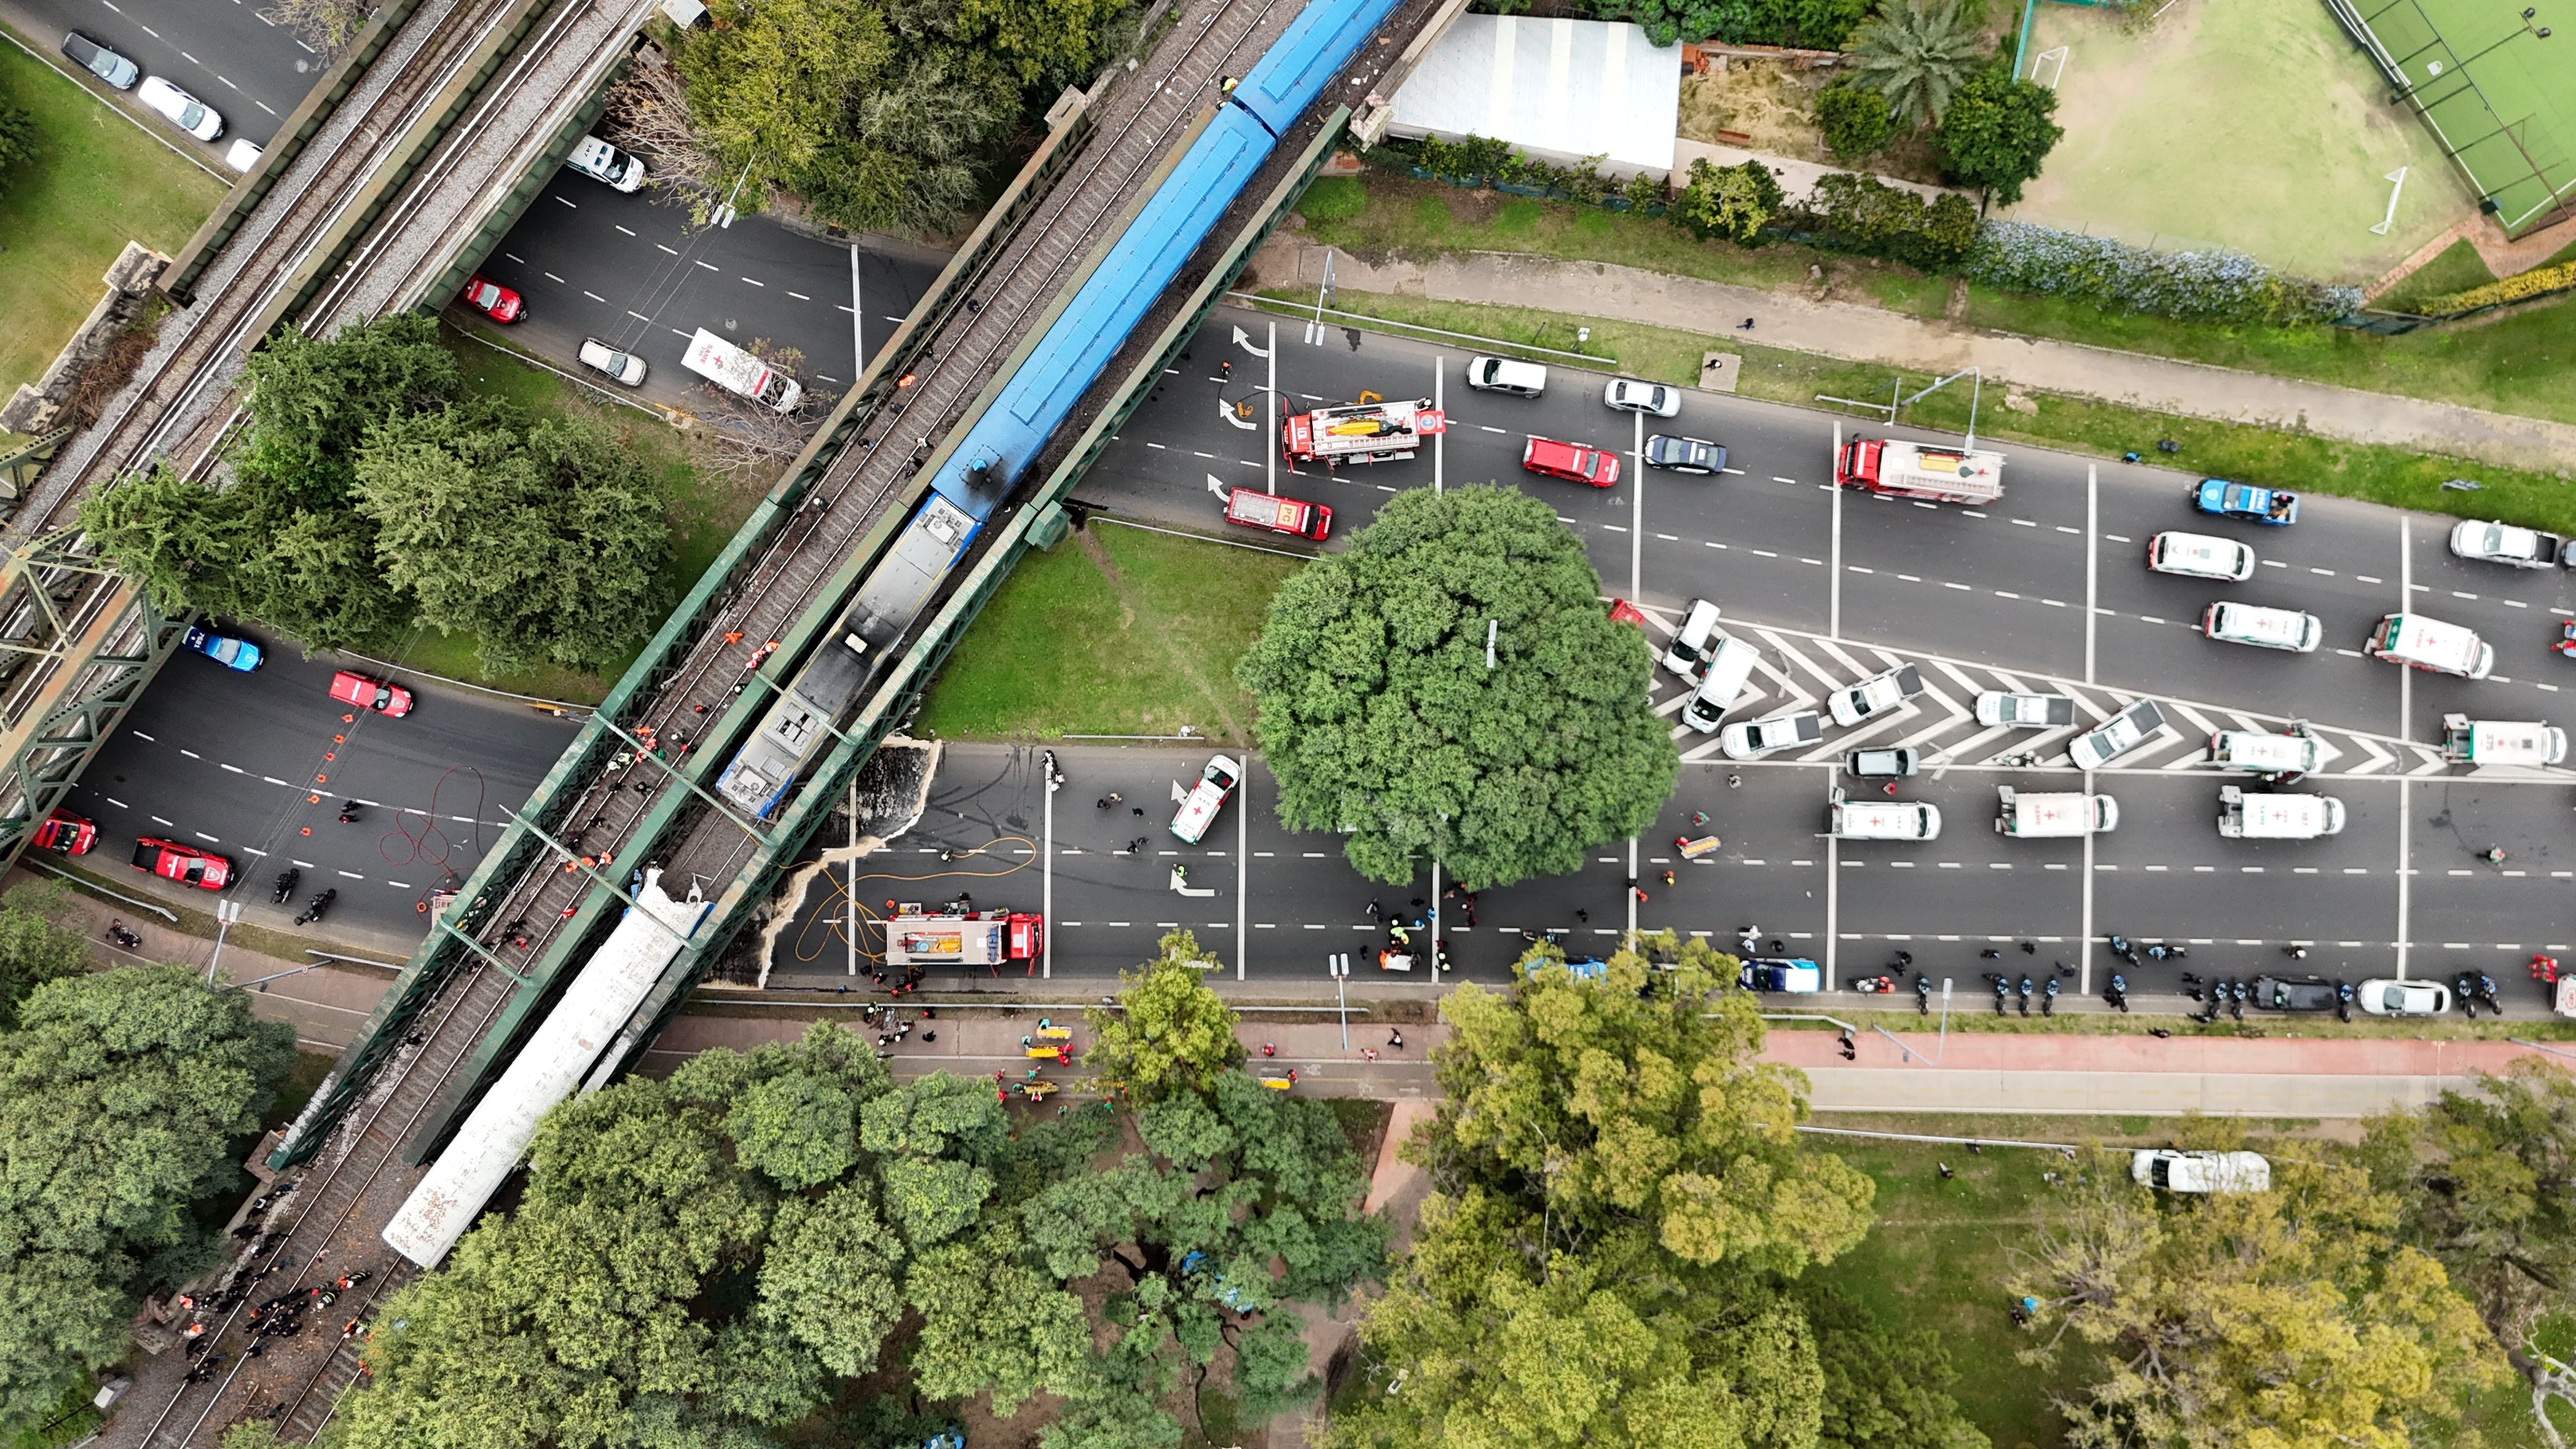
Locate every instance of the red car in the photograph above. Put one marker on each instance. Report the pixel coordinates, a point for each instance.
(390, 700)
(1571, 461)
(66, 834)
(494, 300)
(186, 864)
(1255, 509)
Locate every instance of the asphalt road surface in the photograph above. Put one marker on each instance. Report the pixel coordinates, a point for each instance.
(2045, 590)
(230, 762)
(594, 262)
(254, 73)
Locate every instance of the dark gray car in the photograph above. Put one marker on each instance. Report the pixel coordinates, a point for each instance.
(1684, 455)
(102, 62)
(2294, 993)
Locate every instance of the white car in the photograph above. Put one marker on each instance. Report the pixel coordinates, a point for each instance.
(2026, 711)
(2177, 1171)
(2503, 543)
(1629, 395)
(1751, 739)
(2200, 556)
(2117, 735)
(625, 367)
(2381, 996)
(180, 108)
(1876, 695)
(2263, 628)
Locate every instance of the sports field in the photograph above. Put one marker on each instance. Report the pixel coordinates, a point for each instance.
(2492, 86)
(2254, 125)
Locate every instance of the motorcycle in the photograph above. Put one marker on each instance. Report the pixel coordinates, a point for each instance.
(124, 939)
(1874, 985)
(2117, 993)
(2464, 991)
(349, 811)
(2236, 995)
(1922, 996)
(2003, 989)
(2125, 949)
(286, 880)
(2025, 997)
(2048, 997)
(314, 908)
(2343, 1000)
(2487, 993)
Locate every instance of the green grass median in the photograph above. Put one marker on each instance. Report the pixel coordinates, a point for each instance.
(97, 183)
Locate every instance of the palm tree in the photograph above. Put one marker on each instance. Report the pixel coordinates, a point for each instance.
(1916, 53)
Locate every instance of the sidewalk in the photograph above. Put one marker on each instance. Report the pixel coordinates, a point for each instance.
(1867, 334)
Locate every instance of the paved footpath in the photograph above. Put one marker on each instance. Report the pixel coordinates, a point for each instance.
(1914, 1072)
(1869, 334)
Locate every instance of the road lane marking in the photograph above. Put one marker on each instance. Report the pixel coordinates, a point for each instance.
(236, 769)
(594, 296)
(551, 277)
(620, 228)
(657, 246)
(638, 316)
(710, 266)
(2367, 579)
(191, 754)
(209, 839)
(574, 206)
(755, 281)
(801, 297)
(2026, 523)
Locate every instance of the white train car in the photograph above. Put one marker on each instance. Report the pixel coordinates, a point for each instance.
(546, 1071)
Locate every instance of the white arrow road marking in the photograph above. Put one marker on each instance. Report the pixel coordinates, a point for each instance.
(1216, 485)
(1244, 342)
(1225, 410)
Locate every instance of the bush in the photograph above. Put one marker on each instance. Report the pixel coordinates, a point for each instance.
(2190, 286)
(1863, 214)
(1734, 202)
(1997, 132)
(1333, 198)
(1818, 24)
(1854, 118)
(2520, 287)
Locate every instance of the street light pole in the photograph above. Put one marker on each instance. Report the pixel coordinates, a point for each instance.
(226, 912)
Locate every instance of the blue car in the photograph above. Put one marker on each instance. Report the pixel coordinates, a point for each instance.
(224, 649)
(2244, 500)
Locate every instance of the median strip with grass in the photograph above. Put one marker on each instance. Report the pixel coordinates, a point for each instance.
(2391, 476)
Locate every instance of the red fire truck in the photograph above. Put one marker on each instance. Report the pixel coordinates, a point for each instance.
(975, 938)
(1255, 509)
(1917, 470)
(1364, 432)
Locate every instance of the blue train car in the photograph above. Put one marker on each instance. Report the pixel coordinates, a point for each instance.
(994, 456)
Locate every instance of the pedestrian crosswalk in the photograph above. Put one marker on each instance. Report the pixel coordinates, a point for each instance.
(1799, 670)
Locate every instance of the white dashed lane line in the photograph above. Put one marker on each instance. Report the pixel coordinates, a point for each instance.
(560, 201)
(620, 228)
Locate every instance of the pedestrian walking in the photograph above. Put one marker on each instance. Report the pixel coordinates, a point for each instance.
(1394, 1040)
(1698, 818)
(1101, 804)
(1114, 797)
(1269, 1049)
(1734, 782)
(1369, 1053)
(1583, 915)
(1137, 810)
(1744, 326)
(1374, 911)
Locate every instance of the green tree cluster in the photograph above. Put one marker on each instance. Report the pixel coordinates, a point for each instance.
(122, 1095)
(1815, 24)
(1620, 1219)
(883, 113)
(371, 492)
(1854, 119)
(709, 1260)
(1169, 1034)
(1996, 133)
(1734, 202)
(1917, 54)
(34, 947)
(1382, 719)
(19, 136)
(2295, 1317)
(1865, 214)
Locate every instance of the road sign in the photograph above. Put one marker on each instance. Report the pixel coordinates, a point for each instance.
(1429, 421)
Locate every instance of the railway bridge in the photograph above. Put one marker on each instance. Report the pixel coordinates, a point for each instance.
(1054, 320)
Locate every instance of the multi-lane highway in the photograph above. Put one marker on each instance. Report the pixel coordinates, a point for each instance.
(226, 53)
(594, 262)
(233, 763)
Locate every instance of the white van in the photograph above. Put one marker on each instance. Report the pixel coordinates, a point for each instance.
(2261, 627)
(1503, 374)
(2260, 754)
(1881, 819)
(2177, 1171)
(599, 161)
(2467, 741)
(2054, 814)
(2421, 643)
(2200, 556)
(1730, 668)
(1689, 649)
(2243, 816)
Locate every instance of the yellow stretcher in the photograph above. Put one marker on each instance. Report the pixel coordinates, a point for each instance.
(1278, 1084)
(1037, 1091)
(1047, 1033)
(1693, 849)
(1043, 1053)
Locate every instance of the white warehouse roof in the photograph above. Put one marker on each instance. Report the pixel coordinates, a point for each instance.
(1557, 90)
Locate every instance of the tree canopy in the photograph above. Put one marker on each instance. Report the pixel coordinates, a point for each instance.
(122, 1095)
(1853, 117)
(1381, 719)
(33, 948)
(1727, 201)
(2293, 1317)
(1917, 53)
(370, 492)
(1621, 1211)
(1997, 131)
(883, 114)
(1171, 1032)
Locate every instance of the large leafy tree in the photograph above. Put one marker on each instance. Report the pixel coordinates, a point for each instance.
(2488, 1179)
(1885, 1388)
(879, 115)
(1170, 1033)
(1917, 53)
(1997, 131)
(121, 1095)
(2291, 1317)
(19, 136)
(1383, 720)
(542, 539)
(1727, 201)
(34, 947)
(1621, 1209)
